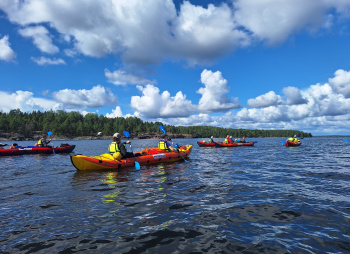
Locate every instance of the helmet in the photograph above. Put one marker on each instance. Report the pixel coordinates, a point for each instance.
(117, 135)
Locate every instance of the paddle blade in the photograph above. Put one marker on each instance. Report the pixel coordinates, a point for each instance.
(137, 165)
(255, 142)
(49, 133)
(346, 140)
(126, 134)
(283, 143)
(161, 128)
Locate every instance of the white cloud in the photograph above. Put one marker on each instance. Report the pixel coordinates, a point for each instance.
(214, 98)
(98, 96)
(117, 112)
(41, 38)
(194, 33)
(275, 20)
(6, 52)
(47, 61)
(121, 77)
(25, 101)
(152, 104)
(265, 100)
(341, 83)
(293, 96)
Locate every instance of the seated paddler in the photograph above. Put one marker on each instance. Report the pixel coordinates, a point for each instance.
(118, 149)
(164, 144)
(43, 142)
(211, 140)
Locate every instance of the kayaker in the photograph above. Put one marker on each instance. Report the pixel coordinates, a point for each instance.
(211, 140)
(43, 142)
(164, 144)
(227, 139)
(13, 146)
(118, 149)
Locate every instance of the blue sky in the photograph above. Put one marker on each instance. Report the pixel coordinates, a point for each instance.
(269, 64)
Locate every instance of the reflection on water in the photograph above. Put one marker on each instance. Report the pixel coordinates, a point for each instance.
(267, 198)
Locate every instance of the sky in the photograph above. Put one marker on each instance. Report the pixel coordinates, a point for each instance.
(250, 64)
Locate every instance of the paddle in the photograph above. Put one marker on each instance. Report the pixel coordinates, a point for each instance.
(163, 130)
(346, 140)
(53, 149)
(137, 165)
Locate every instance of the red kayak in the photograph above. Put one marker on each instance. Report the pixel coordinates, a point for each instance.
(204, 144)
(294, 143)
(20, 150)
(223, 144)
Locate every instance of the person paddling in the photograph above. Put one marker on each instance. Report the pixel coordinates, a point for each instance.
(164, 144)
(211, 140)
(43, 142)
(118, 149)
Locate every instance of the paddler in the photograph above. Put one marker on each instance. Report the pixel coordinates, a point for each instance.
(164, 144)
(118, 149)
(43, 142)
(211, 140)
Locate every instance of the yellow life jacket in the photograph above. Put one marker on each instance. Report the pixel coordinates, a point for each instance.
(226, 141)
(40, 142)
(162, 145)
(113, 147)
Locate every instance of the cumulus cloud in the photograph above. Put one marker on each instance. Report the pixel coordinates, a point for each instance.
(341, 83)
(121, 77)
(214, 94)
(275, 20)
(97, 97)
(6, 52)
(194, 33)
(41, 38)
(294, 96)
(117, 112)
(153, 104)
(26, 102)
(265, 100)
(48, 61)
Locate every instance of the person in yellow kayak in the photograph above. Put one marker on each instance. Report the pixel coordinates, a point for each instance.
(164, 144)
(118, 149)
(43, 142)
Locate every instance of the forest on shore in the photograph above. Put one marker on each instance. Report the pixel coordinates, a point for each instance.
(74, 124)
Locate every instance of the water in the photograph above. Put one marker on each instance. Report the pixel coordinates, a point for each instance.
(261, 199)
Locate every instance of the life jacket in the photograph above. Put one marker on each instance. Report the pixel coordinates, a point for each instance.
(40, 142)
(162, 145)
(290, 139)
(211, 141)
(226, 141)
(113, 147)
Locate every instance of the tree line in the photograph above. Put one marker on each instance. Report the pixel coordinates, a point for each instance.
(74, 124)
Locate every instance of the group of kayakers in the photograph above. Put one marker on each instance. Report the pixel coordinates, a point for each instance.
(228, 140)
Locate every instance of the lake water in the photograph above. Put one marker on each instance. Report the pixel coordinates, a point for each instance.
(262, 199)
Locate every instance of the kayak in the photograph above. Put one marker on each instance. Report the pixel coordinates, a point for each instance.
(294, 143)
(223, 144)
(20, 150)
(203, 144)
(145, 157)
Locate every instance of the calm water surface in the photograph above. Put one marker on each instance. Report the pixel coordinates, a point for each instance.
(261, 199)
